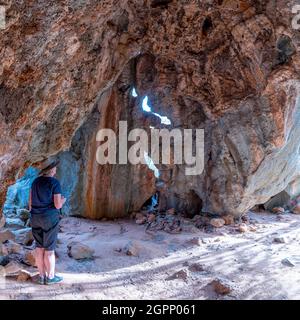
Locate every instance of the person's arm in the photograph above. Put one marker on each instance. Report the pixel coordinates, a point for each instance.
(59, 201)
(30, 201)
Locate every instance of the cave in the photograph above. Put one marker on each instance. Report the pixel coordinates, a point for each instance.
(73, 72)
(151, 203)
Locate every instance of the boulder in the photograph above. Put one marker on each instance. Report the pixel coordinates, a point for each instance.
(5, 235)
(288, 262)
(182, 274)
(229, 219)
(138, 216)
(13, 247)
(3, 250)
(196, 267)
(141, 221)
(29, 258)
(10, 213)
(220, 287)
(4, 260)
(14, 223)
(80, 251)
(196, 241)
(23, 276)
(151, 217)
(296, 210)
(280, 240)
(191, 229)
(132, 248)
(13, 268)
(24, 236)
(242, 228)
(278, 210)
(217, 222)
(201, 221)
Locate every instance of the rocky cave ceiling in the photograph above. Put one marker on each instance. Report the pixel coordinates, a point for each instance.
(230, 67)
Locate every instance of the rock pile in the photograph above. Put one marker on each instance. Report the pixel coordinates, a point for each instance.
(296, 209)
(221, 287)
(15, 241)
(172, 222)
(16, 247)
(80, 251)
(283, 203)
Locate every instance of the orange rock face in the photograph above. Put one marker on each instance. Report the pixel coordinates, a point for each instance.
(67, 69)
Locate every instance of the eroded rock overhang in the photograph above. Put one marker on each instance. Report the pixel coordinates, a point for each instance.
(229, 67)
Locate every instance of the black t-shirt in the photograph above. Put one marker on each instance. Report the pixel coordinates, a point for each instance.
(43, 190)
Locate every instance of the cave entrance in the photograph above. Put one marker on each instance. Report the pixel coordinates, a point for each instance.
(152, 203)
(194, 204)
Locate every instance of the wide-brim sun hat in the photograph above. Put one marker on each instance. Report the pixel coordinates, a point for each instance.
(50, 166)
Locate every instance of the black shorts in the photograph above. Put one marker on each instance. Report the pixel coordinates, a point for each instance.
(45, 228)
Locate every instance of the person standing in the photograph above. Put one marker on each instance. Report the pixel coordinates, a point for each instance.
(45, 201)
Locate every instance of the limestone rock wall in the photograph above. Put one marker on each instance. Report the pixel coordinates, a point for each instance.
(230, 67)
(106, 190)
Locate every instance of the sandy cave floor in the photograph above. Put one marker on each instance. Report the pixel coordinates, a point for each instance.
(250, 263)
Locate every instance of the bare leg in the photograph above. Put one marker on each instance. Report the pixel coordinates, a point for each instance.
(49, 261)
(39, 258)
